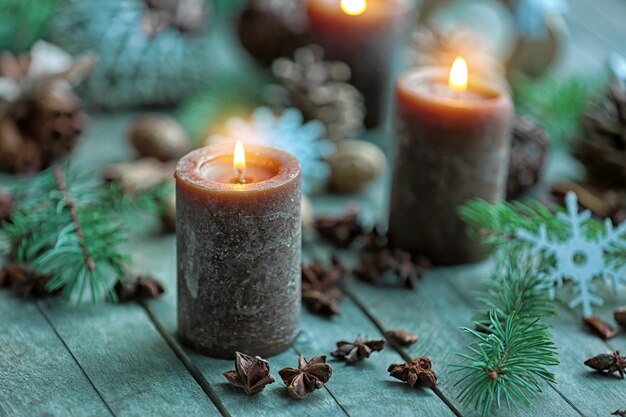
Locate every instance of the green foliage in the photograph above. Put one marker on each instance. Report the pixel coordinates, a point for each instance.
(23, 22)
(557, 105)
(506, 363)
(516, 287)
(512, 349)
(72, 228)
(496, 224)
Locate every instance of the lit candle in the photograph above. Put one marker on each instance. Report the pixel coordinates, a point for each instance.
(361, 33)
(239, 249)
(453, 142)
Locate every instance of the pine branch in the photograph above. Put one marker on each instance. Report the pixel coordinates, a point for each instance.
(512, 349)
(506, 364)
(496, 224)
(557, 105)
(70, 228)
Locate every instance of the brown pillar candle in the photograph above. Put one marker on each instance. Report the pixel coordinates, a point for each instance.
(362, 34)
(453, 143)
(239, 250)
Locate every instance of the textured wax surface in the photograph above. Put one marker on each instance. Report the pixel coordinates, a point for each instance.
(239, 262)
(443, 159)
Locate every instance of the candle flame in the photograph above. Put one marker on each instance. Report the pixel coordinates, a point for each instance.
(353, 7)
(458, 75)
(239, 161)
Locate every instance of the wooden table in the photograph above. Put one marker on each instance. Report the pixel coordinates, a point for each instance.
(124, 360)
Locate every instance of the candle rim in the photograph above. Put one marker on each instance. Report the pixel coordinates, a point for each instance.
(406, 82)
(189, 169)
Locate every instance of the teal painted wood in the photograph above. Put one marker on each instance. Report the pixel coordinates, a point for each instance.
(351, 387)
(127, 361)
(273, 401)
(38, 375)
(604, 19)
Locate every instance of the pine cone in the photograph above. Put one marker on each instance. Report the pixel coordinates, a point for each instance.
(603, 144)
(42, 119)
(440, 48)
(270, 29)
(320, 90)
(528, 157)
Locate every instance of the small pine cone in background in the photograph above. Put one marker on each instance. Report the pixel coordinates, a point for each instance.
(320, 90)
(270, 29)
(430, 47)
(529, 152)
(602, 145)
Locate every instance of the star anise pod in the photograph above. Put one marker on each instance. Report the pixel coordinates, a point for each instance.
(310, 376)
(418, 373)
(6, 206)
(401, 337)
(621, 413)
(376, 266)
(358, 350)
(609, 362)
(141, 288)
(322, 287)
(601, 328)
(251, 373)
(342, 231)
(24, 281)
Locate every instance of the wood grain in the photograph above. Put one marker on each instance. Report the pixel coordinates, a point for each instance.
(38, 375)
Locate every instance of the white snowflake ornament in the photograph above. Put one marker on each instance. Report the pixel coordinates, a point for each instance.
(305, 141)
(580, 258)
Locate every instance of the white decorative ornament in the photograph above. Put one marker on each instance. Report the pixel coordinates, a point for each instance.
(580, 258)
(289, 132)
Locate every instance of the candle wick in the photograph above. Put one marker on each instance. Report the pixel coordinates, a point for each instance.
(241, 176)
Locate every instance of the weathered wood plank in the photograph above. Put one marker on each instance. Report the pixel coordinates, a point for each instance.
(602, 18)
(38, 375)
(127, 360)
(435, 312)
(274, 401)
(350, 387)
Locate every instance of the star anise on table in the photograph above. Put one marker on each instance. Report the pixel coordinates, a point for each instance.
(322, 287)
(358, 350)
(309, 376)
(600, 328)
(401, 337)
(141, 288)
(22, 280)
(342, 231)
(609, 363)
(390, 266)
(251, 373)
(621, 413)
(418, 373)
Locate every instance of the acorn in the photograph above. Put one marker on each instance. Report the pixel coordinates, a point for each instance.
(355, 164)
(139, 175)
(159, 136)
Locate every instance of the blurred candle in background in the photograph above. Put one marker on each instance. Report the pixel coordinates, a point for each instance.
(363, 34)
(453, 142)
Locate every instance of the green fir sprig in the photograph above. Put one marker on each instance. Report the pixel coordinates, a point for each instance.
(497, 223)
(557, 104)
(71, 228)
(512, 350)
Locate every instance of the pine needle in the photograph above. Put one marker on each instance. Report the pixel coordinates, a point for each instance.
(72, 229)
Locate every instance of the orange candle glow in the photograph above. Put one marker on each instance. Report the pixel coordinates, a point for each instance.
(239, 162)
(458, 75)
(353, 7)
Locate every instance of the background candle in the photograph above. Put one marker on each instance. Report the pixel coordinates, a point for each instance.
(239, 251)
(451, 146)
(362, 34)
